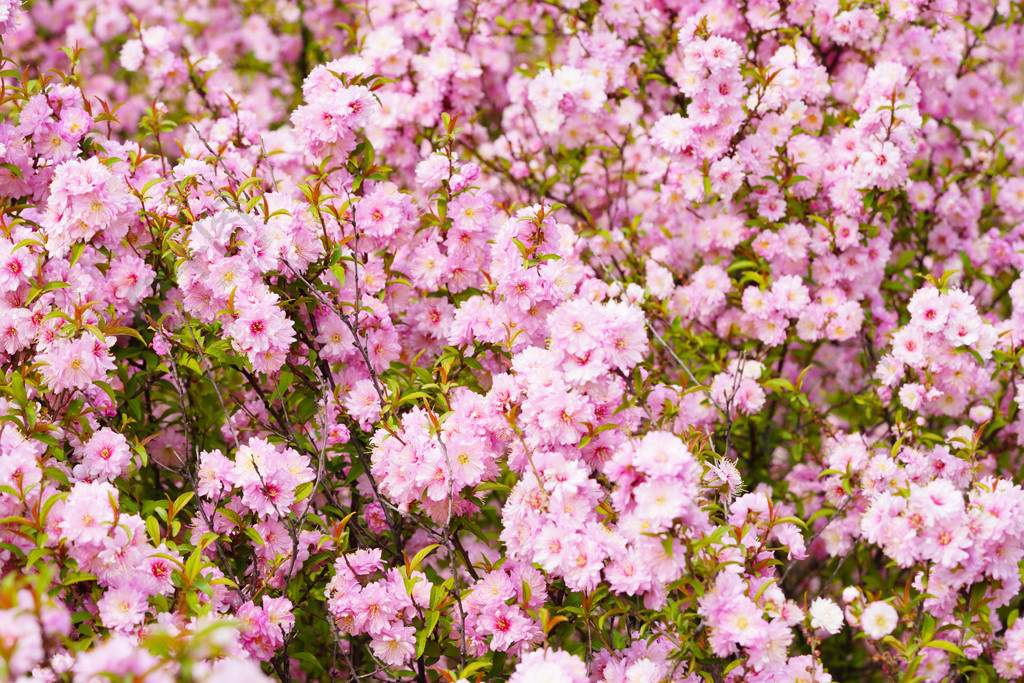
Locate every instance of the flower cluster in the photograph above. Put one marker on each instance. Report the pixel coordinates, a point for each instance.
(945, 344)
(377, 608)
(623, 341)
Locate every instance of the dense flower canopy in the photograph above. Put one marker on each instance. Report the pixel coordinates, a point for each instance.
(511, 340)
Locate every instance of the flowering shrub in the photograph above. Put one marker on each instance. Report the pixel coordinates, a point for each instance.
(641, 341)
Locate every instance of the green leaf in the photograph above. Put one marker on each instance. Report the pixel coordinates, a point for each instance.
(420, 556)
(425, 633)
(252, 533)
(232, 516)
(194, 564)
(492, 486)
(945, 645)
(303, 492)
(182, 501)
(48, 287)
(77, 577)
